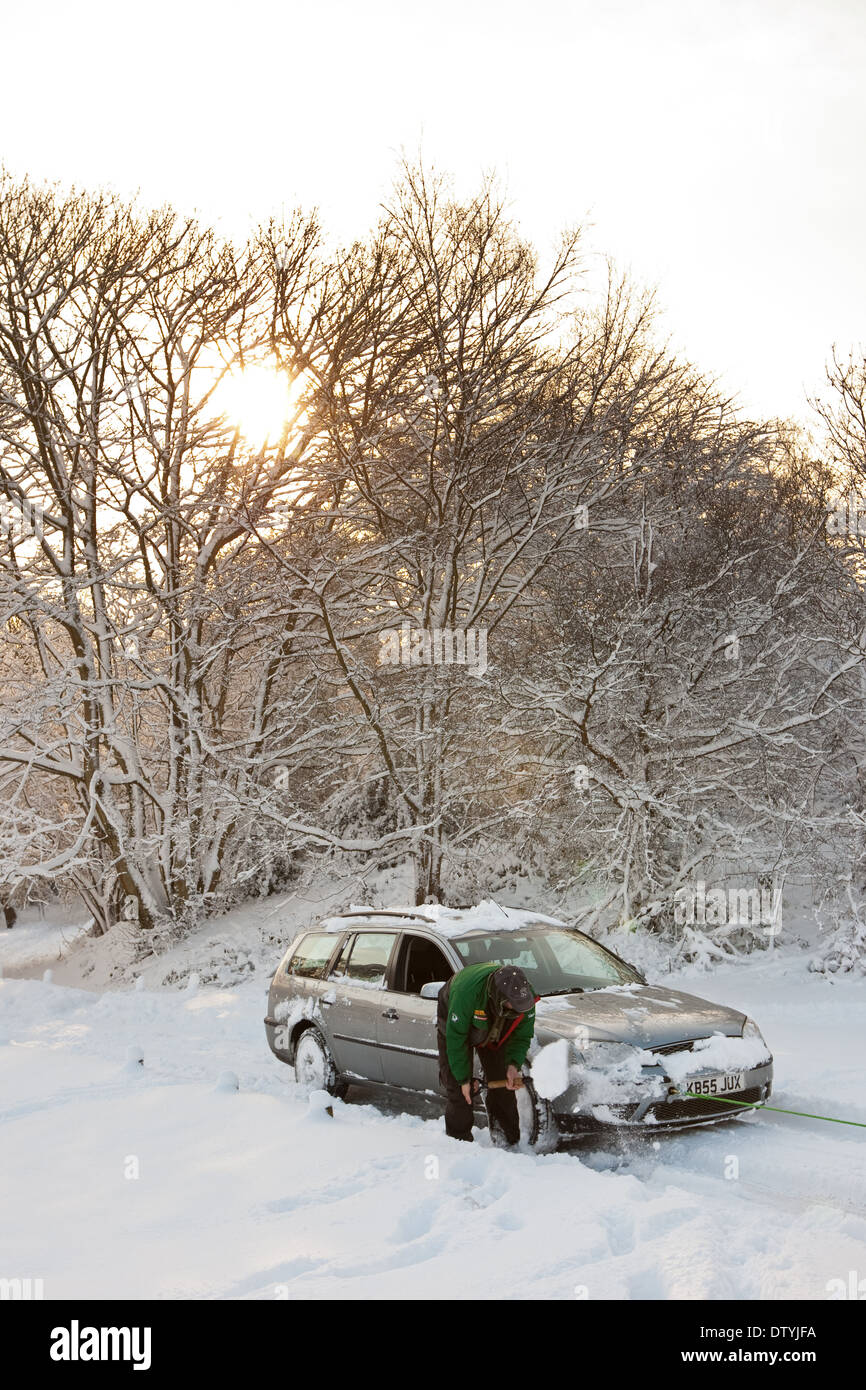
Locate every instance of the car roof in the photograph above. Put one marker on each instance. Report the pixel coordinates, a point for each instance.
(481, 919)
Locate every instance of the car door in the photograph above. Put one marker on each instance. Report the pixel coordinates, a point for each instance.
(407, 1023)
(352, 1002)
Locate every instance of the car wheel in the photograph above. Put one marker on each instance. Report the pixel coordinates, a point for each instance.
(537, 1119)
(315, 1069)
(538, 1128)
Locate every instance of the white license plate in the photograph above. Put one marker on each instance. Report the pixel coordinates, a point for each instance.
(724, 1085)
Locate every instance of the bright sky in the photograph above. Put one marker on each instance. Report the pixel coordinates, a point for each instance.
(714, 147)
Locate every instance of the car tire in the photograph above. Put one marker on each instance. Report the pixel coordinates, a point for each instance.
(315, 1068)
(543, 1134)
(538, 1128)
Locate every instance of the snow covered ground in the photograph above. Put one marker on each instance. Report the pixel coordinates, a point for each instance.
(122, 1179)
(40, 941)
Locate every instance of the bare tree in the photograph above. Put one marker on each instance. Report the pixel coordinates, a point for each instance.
(126, 502)
(470, 421)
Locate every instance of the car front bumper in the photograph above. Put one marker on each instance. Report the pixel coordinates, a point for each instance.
(663, 1104)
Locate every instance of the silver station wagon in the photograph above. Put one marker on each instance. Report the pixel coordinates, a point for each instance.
(354, 1001)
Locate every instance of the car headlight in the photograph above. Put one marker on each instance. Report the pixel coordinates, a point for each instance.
(751, 1030)
(611, 1072)
(603, 1054)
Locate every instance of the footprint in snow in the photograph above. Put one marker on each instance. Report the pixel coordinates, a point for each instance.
(509, 1221)
(415, 1222)
(620, 1232)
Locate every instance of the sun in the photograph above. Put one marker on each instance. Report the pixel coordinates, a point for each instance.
(260, 401)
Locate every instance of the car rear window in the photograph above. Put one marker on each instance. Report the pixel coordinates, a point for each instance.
(312, 955)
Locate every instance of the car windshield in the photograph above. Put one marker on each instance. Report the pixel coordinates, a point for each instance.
(557, 960)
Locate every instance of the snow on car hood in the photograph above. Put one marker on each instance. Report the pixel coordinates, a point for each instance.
(643, 1015)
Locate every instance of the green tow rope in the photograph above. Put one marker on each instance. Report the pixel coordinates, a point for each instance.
(759, 1105)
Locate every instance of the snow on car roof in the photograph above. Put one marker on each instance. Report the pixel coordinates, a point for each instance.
(486, 916)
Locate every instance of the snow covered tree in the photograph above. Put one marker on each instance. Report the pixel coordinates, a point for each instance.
(126, 502)
(451, 468)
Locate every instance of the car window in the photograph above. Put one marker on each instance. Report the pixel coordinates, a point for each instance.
(421, 963)
(579, 956)
(556, 959)
(369, 956)
(339, 968)
(508, 948)
(312, 956)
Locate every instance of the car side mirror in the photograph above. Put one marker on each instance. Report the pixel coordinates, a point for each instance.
(431, 990)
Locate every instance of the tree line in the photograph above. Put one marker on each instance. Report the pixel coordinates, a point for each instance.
(219, 653)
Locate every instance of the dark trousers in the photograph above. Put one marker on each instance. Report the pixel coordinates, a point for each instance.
(501, 1103)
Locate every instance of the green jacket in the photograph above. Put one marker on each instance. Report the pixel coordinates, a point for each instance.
(469, 1022)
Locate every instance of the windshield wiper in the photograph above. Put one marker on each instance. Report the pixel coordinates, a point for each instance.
(571, 989)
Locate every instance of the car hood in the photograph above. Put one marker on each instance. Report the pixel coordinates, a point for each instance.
(638, 1014)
